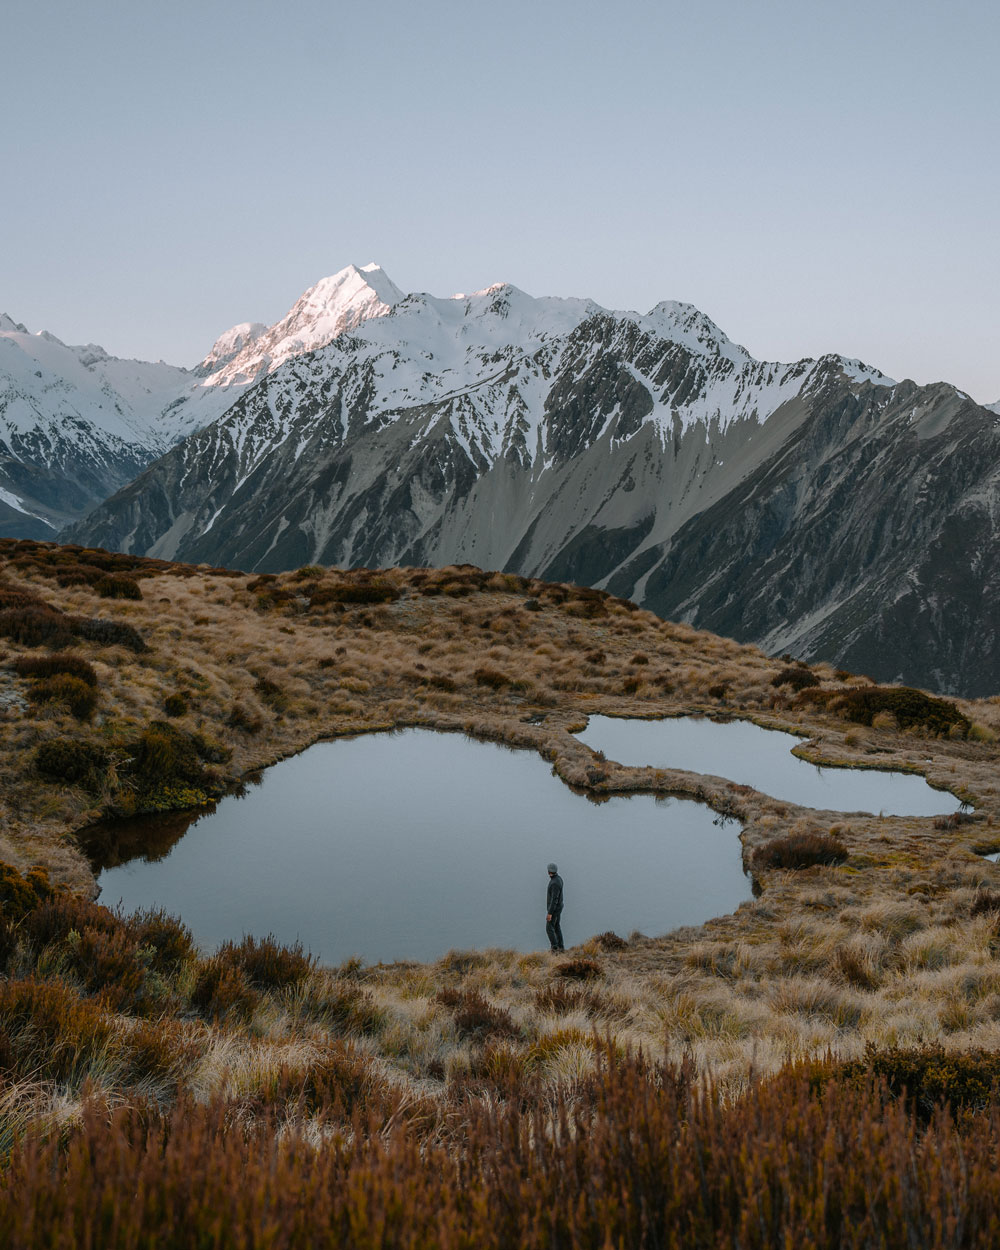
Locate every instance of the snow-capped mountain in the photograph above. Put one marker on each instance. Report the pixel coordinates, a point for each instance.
(76, 424)
(817, 507)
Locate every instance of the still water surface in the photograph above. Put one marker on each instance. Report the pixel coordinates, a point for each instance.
(745, 753)
(405, 845)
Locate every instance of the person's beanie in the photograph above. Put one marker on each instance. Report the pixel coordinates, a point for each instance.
(552, 868)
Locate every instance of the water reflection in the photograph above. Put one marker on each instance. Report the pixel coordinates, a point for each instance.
(745, 753)
(401, 846)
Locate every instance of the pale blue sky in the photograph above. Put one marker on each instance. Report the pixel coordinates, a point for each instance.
(815, 177)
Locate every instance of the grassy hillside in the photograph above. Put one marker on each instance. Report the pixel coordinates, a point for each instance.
(131, 685)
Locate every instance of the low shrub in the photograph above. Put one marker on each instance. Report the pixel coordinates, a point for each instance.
(114, 586)
(796, 677)
(76, 694)
(342, 1082)
(610, 941)
(354, 592)
(243, 719)
(37, 625)
(109, 633)
(912, 708)
(168, 940)
(72, 762)
(164, 753)
(22, 893)
(476, 1017)
(175, 704)
(800, 850)
(954, 820)
(59, 664)
(54, 1034)
(222, 991)
(492, 677)
(928, 1076)
(159, 1051)
(266, 964)
(55, 918)
(578, 969)
(271, 693)
(986, 903)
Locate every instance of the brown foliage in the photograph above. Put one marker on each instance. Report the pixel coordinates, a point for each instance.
(800, 850)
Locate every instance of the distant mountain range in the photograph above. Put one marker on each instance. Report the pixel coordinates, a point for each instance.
(817, 507)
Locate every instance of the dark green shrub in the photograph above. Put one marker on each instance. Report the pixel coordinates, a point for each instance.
(159, 1051)
(165, 753)
(271, 693)
(116, 587)
(265, 963)
(56, 665)
(109, 633)
(175, 704)
(71, 762)
(341, 1082)
(52, 1033)
(476, 1017)
(241, 718)
(167, 938)
(578, 969)
(986, 903)
(21, 894)
(108, 961)
(492, 677)
(354, 592)
(927, 1076)
(36, 626)
(796, 677)
(79, 575)
(800, 850)
(55, 918)
(912, 708)
(222, 990)
(77, 695)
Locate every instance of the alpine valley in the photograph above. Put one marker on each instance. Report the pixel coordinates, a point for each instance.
(818, 508)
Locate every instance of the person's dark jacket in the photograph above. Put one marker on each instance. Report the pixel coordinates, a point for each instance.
(554, 896)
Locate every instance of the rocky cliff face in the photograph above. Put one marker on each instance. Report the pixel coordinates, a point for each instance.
(816, 507)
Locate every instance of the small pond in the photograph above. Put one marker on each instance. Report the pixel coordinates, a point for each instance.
(745, 753)
(405, 845)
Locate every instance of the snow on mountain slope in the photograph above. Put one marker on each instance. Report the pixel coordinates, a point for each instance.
(330, 308)
(76, 423)
(381, 442)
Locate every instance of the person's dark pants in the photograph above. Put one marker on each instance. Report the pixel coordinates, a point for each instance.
(554, 933)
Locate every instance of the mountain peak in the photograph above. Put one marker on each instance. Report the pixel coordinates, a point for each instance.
(329, 308)
(9, 326)
(684, 323)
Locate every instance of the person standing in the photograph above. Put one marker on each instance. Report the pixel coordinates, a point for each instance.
(553, 909)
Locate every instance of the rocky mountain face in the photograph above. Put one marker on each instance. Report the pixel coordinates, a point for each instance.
(77, 424)
(817, 507)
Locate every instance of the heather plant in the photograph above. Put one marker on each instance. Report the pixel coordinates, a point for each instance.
(912, 709)
(266, 964)
(800, 850)
(641, 1156)
(78, 696)
(796, 676)
(56, 665)
(115, 586)
(72, 762)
